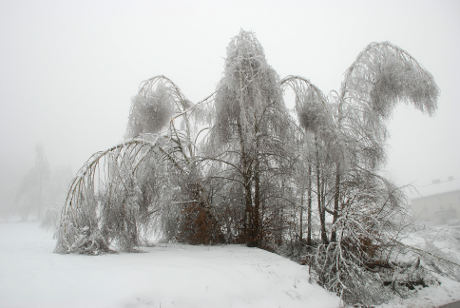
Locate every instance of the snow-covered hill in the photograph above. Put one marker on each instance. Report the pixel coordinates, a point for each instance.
(180, 275)
(163, 276)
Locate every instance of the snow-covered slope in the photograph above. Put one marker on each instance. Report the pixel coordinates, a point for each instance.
(163, 276)
(442, 241)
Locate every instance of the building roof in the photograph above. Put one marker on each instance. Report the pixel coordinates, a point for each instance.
(434, 188)
(457, 191)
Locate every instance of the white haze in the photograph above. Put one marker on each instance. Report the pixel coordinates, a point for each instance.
(68, 69)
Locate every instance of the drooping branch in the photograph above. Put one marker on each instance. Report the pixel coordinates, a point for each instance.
(147, 87)
(311, 106)
(384, 74)
(79, 230)
(302, 86)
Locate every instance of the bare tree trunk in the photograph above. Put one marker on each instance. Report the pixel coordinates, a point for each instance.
(249, 213)
(321, 206)
(246, 184)
(336, 202)
(257, 236)
(309, 206)
(301, 211)
(321, 210)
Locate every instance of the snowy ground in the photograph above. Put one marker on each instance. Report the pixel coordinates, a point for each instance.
(443, 241)
(164, 276)
(180, 275)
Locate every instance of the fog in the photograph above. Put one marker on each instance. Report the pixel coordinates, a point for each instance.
(70, 68)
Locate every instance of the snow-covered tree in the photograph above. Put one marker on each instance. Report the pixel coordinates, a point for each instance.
(146, 182)
(251, 123)
(237, 167)
(31, 197)
(321, 146)
(365, 206)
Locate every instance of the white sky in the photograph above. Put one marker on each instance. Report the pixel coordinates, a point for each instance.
(68, 69)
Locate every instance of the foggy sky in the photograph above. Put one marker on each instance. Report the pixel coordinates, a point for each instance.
(68, 69)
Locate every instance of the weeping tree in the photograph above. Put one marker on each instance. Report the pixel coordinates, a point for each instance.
(316, 120)
(190, 217)
(381, 76)
(141, 183)
(365, 208)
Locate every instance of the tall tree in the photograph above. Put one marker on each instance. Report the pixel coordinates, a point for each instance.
(315, 118)
(250, 117)
(382, 76)
(365, 205)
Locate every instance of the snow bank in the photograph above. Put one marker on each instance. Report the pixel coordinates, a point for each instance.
(162, 276)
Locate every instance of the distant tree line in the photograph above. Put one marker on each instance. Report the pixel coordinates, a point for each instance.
(41, 191)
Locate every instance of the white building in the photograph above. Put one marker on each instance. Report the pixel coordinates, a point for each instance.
(439, 208)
